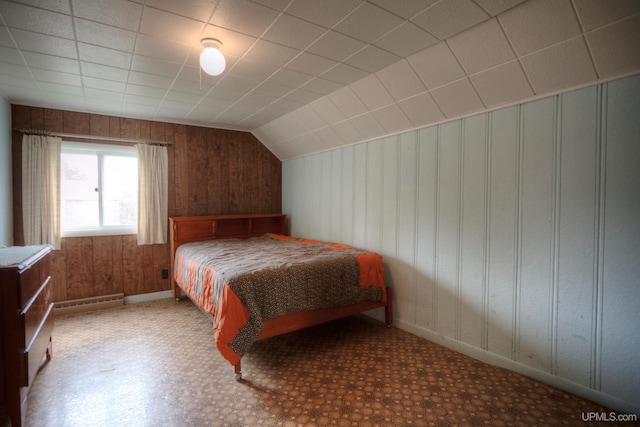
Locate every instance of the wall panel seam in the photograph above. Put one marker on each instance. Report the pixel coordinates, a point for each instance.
(515, 330)
(436, 232)
(484, 340)
(601, 156)
(459, 260)
(555, 223)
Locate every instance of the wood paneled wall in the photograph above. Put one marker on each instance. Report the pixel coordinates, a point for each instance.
(211, 171)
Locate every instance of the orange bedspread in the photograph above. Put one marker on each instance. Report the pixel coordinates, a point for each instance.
(243, 282)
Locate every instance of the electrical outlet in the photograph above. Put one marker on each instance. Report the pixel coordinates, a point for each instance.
(165, 274)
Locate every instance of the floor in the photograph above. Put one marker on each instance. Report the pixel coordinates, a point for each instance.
(155, 364)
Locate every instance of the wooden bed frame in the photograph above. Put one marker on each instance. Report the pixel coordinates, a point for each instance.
(197, 228)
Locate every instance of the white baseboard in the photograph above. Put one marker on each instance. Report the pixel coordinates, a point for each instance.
(617, 404)
(134, 299)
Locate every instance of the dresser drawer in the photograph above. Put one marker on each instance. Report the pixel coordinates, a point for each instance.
(35, 311)
(34, 353)
(32, 279)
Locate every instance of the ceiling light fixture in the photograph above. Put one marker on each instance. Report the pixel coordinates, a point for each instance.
(211, 59)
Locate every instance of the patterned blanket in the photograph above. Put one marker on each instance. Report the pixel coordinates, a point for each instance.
(243, 282)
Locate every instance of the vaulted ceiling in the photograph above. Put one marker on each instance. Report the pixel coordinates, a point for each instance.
(310, 75)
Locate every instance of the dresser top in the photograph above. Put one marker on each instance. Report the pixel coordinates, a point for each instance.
(20, 256)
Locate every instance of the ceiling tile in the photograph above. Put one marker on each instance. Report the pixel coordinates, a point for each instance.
(421, 110)
(406, 40)
(302, 96)
(104, 35)
(168, 26)
(371, 92)
(106, 95)
(482, 47)
(616, 48)
(104, 72)
(372, 59)
(324, 13)
(274, 4)
(400, 80)
(447, 18)
(321, 86)
(135, 90)
(29, 18)
(392, 119)
(367, 126)
(344, 74)
(537, 24)
(596, 13)
(154, 66)
(347, 131)
(311, 64)
(457, 98)
(266, 52)
(368, 23)
(13, 56)
(195, 9)
(243, 16)
(119, 13)
(406, 8)
(258, 99)
(222, 94)
(327, 110)
(56, 77)
(252, 70)
(273, 89)
(336, 46)
(150, 80)
(236, 82)
(162, 49)
(347, 102)
(329, 137)
(186, 98)
(561, 66)
(108, 85)
(501, 85)
(294, 124)
(34, 42)
(496, 7)
(53, 63)
(293, 32)
(104, 56)
(60, 6)
(310, 117)
(436, 66)
(14, 70)
(289, 78)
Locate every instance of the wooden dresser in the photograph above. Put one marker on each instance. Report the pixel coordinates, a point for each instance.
(26, 324)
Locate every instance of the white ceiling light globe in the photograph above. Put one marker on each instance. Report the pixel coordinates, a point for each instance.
(211, 59)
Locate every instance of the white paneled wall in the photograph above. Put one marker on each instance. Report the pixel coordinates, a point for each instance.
(513, 236)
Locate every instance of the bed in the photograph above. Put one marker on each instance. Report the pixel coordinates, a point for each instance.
(231, 265)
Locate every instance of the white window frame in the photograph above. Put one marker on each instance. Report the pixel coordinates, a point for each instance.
(71, 147)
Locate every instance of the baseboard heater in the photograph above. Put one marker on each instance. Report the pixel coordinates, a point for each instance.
(86, 304)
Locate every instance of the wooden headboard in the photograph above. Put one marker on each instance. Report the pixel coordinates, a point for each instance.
(183, 229)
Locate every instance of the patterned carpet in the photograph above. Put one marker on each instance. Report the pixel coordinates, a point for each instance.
(155, 364)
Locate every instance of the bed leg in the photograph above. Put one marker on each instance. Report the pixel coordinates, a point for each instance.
(237, 374)
(388, 310)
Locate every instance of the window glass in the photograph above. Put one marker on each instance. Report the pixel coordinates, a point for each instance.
(98, 189)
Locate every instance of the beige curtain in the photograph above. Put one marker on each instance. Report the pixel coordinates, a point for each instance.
(41, 190)
(153, 191)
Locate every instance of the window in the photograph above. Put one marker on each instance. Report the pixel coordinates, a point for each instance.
(98, 189)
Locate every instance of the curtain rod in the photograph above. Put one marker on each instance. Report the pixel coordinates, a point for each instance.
(94, 137)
